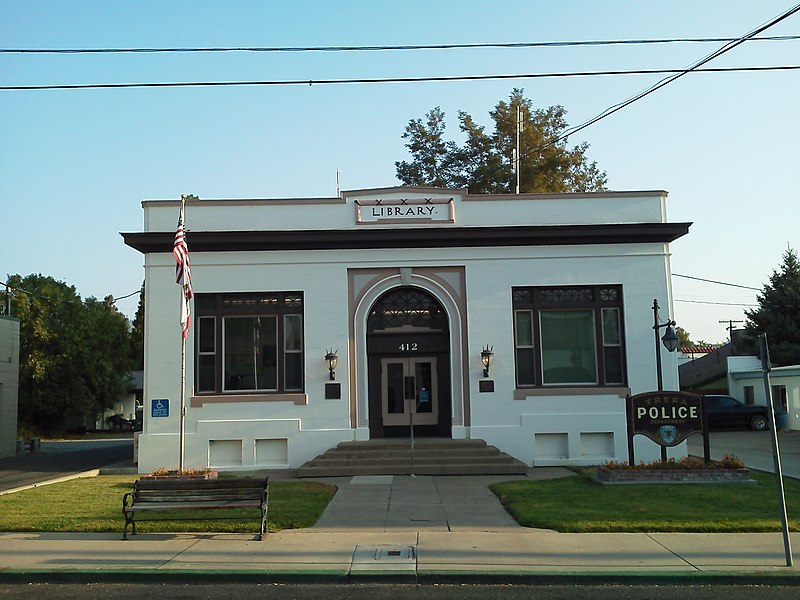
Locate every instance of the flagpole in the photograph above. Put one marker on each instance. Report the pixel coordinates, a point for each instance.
(182, 430)
(183, 277)
(183, 402)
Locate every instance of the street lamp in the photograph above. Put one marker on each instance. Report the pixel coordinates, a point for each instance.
(669, 339)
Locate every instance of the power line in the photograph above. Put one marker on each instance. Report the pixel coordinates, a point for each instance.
(667, 80)
(14, 290)
(746, 287)
(717, 303)
(444, 78)
(115, 298)
(268, 49)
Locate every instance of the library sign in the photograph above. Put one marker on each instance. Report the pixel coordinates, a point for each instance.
(665, 417)
(404, 210)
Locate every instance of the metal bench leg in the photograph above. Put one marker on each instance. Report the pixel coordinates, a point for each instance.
(264, 513)
(263, 525)
(130, 519)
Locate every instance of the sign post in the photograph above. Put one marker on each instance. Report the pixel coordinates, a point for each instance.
(776, 454)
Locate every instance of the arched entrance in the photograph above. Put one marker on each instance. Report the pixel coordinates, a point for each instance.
(408, 358)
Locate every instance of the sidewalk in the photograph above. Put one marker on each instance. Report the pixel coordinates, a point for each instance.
(425, 529)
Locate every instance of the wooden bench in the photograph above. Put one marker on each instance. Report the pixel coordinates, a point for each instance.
(178, 494)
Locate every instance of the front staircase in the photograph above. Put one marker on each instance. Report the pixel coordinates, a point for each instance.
(432, 456)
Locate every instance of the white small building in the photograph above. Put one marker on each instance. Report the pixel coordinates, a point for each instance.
(9, 384)
(128, 406)
(407, 286)
(746, 383)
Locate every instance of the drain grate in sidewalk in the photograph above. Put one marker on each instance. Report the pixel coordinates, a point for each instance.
(392, 559)
(372, 479)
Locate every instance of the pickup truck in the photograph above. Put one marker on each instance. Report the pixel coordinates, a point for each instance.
(727, 411)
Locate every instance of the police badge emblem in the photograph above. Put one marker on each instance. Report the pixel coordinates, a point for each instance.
(668, 433)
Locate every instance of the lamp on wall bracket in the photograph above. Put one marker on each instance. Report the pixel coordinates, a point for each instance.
(487, 355)
(669, 339)
(332, 358)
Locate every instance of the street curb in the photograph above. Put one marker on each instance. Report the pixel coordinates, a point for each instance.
(30, 486)
(575, 578)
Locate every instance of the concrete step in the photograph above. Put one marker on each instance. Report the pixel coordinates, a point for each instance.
(432, 456)
(336, 460)
(352, 470)
(418, 443)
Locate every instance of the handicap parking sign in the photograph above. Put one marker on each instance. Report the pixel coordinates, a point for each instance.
(160, 407)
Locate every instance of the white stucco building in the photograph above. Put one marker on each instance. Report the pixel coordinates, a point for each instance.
(407, 286)
(9, 384)
(746, 383)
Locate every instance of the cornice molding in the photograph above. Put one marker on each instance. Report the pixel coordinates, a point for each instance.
(428, 237)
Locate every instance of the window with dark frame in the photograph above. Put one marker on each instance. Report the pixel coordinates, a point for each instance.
(249, 343)
(780, 400)
(749, 394)
(569, 336)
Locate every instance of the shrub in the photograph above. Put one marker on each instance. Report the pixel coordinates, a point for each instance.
(163, 472)
(729, 461)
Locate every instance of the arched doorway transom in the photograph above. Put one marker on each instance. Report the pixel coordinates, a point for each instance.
(408, 363)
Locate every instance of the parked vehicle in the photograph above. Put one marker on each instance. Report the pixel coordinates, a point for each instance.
(727, 411)
(120, 423)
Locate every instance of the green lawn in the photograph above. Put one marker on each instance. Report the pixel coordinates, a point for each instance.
(572, 504)
(94, 504)
(576, 504)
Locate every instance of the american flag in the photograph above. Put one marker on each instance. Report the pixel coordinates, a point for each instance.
(183, 276)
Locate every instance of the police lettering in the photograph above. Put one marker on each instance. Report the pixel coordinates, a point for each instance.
(667, 412)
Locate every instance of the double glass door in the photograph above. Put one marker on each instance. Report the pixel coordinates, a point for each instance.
(409, 385)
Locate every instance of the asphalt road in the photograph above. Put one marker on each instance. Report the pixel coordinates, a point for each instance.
(754, 448)
(63, 458)
(122, 591)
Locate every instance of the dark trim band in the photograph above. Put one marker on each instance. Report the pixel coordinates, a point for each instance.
(429, 237)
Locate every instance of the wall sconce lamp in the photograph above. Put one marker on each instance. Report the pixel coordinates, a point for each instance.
(487, 355)
(332, 358)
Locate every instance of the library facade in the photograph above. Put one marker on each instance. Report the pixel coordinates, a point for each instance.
(522, 320)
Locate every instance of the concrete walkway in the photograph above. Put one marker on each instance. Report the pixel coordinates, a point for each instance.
(424, 529)
(389, 503)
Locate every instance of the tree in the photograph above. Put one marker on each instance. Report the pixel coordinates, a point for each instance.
(137, 334)
(778, 314)
(484, 163)
(684, 337)
(74, 354)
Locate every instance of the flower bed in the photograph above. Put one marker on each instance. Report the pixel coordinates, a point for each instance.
(687, 470)
(185, 474)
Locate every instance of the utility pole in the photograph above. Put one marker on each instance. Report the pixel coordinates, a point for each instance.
(517, 158)
(729, 328)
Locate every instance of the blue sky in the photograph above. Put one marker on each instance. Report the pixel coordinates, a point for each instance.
(76, 164)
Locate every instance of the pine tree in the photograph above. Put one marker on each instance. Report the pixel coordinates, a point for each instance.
(778, 314)
(484, 163)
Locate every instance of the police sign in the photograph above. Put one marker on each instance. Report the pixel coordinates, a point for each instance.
(665, 417)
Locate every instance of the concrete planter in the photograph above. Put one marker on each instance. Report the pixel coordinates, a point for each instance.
(607, 476)
(190, 477)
